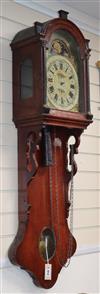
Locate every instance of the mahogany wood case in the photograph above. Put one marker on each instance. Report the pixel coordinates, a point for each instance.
(44, 236)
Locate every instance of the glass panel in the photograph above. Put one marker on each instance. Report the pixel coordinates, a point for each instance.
(64, 77)
(47, 244)
(26, 79)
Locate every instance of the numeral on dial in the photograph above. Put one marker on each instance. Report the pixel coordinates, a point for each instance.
(55, 66)
(61, 65)
(56, 97)
(70, 78)
(71, 94)
(62, 100)
(51, 89)
(72, 86)
(50, 80)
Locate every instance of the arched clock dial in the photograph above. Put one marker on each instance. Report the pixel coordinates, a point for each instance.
(62, 84)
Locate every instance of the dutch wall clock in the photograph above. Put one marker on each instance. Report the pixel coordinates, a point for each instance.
(50, 104)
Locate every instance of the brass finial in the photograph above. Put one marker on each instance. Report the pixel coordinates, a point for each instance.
(63, 14)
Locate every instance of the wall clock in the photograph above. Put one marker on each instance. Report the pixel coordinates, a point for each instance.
(50, 104)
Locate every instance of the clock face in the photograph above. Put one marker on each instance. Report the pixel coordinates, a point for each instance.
(62, 84)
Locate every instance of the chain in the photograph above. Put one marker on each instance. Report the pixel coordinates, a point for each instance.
(48, 140)
(71, 202)
(72, 188)
(56, 182)
(56, 186)
(50, 186)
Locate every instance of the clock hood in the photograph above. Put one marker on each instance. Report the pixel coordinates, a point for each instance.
(43, 31)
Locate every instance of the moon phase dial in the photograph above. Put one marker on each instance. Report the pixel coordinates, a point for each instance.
(62, 84)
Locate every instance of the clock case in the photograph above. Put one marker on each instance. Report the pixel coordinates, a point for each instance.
(33, 43)
(38, 127)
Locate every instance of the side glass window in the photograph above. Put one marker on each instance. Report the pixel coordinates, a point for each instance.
(26, 77)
